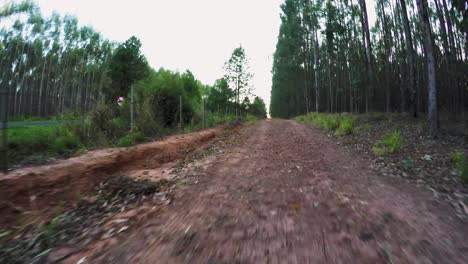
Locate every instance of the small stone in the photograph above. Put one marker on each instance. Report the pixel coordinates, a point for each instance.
(109, 233)
(120, 220)
(122, 229)
(81, 261)
(427, 157)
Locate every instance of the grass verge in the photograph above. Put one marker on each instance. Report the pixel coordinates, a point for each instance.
(341, 124)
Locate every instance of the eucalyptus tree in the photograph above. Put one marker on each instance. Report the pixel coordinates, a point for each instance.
(237, 72)
(368, 48)
(410, 54)
(50, 64)
(430, 60)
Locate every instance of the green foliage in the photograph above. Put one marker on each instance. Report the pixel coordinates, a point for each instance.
(40, 141)
(51, 229)
(461, 164)
(393, 141)
(220, 97)
(157, 111)
(130, 139)
(64, 144)
(301, 118)
(457, 157)
(238, 74)
(160, 95)
(341, 124)
(379, 150)
(287, 90)
(408, 164)
(257, 108)
(101, 120)
(250, 118)
(345, 127)
(390, 143)
(127, 66)
(463, 171)
(329, 122)
(214, 119)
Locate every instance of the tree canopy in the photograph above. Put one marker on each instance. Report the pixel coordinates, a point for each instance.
(127, 66)
(238, 75)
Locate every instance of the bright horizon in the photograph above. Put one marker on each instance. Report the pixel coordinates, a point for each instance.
(184, 35)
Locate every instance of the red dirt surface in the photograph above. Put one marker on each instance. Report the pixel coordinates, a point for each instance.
(285, 193)
(41, 189)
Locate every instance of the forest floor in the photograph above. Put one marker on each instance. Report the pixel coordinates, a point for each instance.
(273, 191)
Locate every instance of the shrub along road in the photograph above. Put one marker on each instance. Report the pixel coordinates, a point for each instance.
(285, 193)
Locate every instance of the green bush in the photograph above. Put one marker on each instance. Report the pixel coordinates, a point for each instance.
(148, 122)
(124, 141)
(250, 117)
(390, 143)
(325, 121)
(130, 139)
(345, 126)
(457, 157)
(408, 164)
(101, 121)
(379, 150)
(25, 142)
(461, 164)
(63, 144)
(36, 138)
(214, 119)
(463, 170)
(331, 122)
(393, 141)
(301, 118)
(342, 124)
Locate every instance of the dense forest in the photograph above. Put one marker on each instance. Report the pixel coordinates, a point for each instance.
(414, 59)
(51, 66)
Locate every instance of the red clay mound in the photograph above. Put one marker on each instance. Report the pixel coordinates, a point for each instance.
(36, 188)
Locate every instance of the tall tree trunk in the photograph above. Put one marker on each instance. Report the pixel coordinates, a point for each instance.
(330, 95)
(365, 28)
(449, 27)
(386, 38)
(410, 53)
(40, 87)
(316, 68)
(306, 71)
(431, 80)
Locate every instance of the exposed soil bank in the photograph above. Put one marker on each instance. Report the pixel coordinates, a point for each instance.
(42, 187)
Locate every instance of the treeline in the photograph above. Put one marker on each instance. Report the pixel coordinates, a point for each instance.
(414, 59)
(51, 66)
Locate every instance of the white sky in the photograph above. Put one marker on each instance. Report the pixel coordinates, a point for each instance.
(187, 34)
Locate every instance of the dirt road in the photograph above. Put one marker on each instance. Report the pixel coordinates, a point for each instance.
(285, 193)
